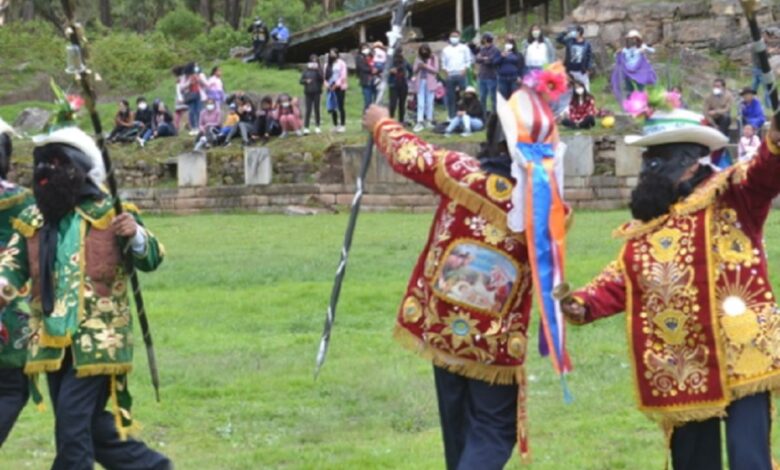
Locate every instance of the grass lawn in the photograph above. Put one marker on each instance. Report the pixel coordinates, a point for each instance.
(237, 310)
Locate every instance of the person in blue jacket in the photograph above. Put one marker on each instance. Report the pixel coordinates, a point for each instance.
(579, 55)
(751, 110)
(281, 37)
(509, 68)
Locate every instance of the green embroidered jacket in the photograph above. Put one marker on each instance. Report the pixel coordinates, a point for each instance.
(92, 306)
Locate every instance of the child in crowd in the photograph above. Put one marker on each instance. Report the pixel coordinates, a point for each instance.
(214, 87)
(379, 56)
(749, 144)
(751, 110)
(312, 80)
(231, 121)
(582, 109)
(289, 115)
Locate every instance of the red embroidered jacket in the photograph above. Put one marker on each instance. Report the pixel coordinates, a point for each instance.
(703, 325)
(468, 300)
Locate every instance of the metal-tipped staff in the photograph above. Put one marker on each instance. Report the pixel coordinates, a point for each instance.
(759, 47)
(77, 58)
(393, 41)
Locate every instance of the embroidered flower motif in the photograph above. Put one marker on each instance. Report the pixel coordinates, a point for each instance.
(105, 305)
(476, 224)
(493, 234)
(671, 326)
(86, 343)
(60, 309)
(109, 340)
(461, 328)
(665, 244)
(407, 153)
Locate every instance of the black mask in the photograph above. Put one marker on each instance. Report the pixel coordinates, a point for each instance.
(57, 188)
(656, 192)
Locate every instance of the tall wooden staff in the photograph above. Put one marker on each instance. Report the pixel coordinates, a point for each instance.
(394, 40)
(759, 47)
(77, 58)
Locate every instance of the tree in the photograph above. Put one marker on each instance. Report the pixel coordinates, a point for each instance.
(233, 12)
(105, 13)
(207, 11)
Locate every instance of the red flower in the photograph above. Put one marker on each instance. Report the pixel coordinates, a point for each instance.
(551, 84)
(75, 102)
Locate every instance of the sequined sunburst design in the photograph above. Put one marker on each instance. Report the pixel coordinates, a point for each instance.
(461, 328)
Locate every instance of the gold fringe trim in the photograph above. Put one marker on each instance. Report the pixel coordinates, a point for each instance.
(14, 200)
(672, 419)
(503, 375)
(24, 228)
(103, 369)
(469, 199)
(769, 383)
(36, 367)
(701, 198)
(104, 222)
(48, 341)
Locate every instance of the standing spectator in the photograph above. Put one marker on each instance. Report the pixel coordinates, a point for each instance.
(632, 67)
(398, 83)
(366, 73)
(486, 75)
(717, 106)
(456, 61)
(259, 32)
(379, 53)
(509, 68)
(180, 107)
(582, 109)
(143, 118)
(208, 124)
(288, 112)
(537, 50)
(215, 90)
(750, 109)
(267, 124)
(758, 74)
(425, 69)
(194, 96)
(123, 123)
(749, 144)
(247, 124)
(336, 74)
(470, 116)
(281, 36)
(312, 80)
(579, 55)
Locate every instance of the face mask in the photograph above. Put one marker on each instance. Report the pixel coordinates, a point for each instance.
(312, 65)
(365, 51)
(717, 91)
(454, 40)
(142, 106)
(536, 34)
(579, 91)
(508, 47)
(210, 107)
(286, 104)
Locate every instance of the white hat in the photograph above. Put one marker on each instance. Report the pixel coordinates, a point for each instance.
(6, 128)
(77, 138)
(634, 34)
(677, 126)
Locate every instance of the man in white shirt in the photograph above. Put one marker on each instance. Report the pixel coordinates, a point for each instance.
(456, 60)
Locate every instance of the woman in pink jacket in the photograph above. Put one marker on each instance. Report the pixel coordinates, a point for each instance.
(288, 112)
(336, 77)
(426, 67)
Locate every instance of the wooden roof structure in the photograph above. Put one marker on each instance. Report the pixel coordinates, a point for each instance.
(435, 18)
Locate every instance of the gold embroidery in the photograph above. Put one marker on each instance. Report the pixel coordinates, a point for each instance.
(671, 326)
(665, 244)
(498, 188)
(412, 310)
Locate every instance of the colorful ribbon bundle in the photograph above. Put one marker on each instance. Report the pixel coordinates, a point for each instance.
(539, 210)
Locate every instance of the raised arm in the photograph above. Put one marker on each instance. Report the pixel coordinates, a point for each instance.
(761, 181)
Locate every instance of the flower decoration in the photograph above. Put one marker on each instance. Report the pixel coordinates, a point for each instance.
(642, 104)
(551, 84)
(637, 104)
(67, 107)
(75, 102)
(532, 78)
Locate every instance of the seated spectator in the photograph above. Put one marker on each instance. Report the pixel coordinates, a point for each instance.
(208, 125)
(247, 124)
(717, 106)
(312, 80)
(751, 110)
(582, 109)
(142, 118)
(162, 123)
(289, 115)
(267, 124)
(469, 116)
(749, 144)
(231, 121)
(509, 68)
(124, 127)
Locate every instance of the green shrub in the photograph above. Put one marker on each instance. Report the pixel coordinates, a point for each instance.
(132, 63)
(293, 11)
(218, 42)
(181, 24)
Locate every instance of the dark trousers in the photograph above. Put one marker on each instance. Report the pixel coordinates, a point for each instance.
(398, 100)
(339, 112)
(369, 95)
(723, 121)
(478, 421)
(313, 104)
(507, 86)
(85, 432)
(586, 123)
(696, 445)
(455, 85)
(14, 393)
(278, 51)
